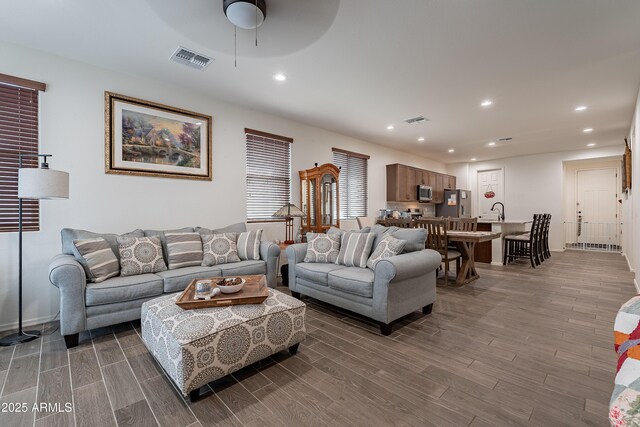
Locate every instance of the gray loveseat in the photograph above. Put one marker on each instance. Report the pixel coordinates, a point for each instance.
(399, 285)
(85, 305)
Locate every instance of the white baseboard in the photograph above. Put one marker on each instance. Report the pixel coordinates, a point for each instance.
(628, 263)
(26, 323)
(495, 263)
(635, 283)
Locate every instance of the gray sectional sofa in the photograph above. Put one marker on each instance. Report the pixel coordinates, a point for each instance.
(399, 285)
(85, 305)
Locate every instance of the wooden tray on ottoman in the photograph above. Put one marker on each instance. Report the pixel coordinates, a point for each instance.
(254, 291)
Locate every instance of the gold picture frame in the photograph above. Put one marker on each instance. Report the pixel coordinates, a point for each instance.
(145, 138)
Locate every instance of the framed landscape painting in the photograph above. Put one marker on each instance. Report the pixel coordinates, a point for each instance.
(149, 139)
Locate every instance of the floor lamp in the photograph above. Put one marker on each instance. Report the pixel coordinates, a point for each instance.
(34, 183)
(289, 211)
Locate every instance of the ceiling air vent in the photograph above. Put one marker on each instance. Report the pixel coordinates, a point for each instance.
(507, 139)
(190, 58)
(418, 119)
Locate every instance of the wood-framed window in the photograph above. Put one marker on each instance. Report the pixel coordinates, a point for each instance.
(268, 174)
(353, 183)
(18, 135)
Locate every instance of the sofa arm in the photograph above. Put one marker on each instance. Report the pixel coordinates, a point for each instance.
(270, 253)
(67, 274)
(406, 266)
(296, 253)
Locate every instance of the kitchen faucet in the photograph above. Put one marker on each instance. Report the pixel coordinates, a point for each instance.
(501, 214)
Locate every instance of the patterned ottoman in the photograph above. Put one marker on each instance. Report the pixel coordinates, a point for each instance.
(196, 347)
(624, 408)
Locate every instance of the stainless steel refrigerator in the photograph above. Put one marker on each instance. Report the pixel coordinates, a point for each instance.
(457, 204)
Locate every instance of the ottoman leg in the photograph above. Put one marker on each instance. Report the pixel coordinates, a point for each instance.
(194, 394)
(294, 349)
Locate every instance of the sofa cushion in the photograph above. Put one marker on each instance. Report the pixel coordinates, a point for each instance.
(322, 248)
(249, 245)
(415, 238)
(243, 268)
(119, 289)
(98, 260)
(219, 248)
(355, 249)
(68, 235)
(352, 280)
(161, 235)
(381, 231)
(238, 228)
(184, 249)
(389, 246)
(140, 255)
(316, 272)
(177, 280)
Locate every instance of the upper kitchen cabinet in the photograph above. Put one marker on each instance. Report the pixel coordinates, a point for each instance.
(403, 181)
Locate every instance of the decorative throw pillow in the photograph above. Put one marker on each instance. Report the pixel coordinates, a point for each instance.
(98, 260)
(355, 249)
(140, 255)
(249, 245)
(389, 246)
(322, 247)
(219, 249)
(183, 249)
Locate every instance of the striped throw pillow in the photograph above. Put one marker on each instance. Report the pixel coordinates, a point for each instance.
(219, 249)
(249, 245)
(355, 249)
(183, 249)
(98, 259)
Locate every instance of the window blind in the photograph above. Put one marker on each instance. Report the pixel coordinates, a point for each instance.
(353, 183)
(18, 135)
(268, 174)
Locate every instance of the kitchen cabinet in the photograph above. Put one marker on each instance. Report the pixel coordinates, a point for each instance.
(403, 180)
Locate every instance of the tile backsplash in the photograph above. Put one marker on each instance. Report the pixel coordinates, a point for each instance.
(427, 209)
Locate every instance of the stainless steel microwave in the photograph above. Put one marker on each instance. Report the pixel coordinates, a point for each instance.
(425, 193)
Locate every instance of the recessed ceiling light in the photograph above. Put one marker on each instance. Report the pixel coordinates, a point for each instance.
(587, 130)
(390, 127)
(198, 123)
(581, 107)
(591, 144)
(451, 150)
(280, 77)
(486, 103)
(421, 139)
(491, 144)
(473, 159)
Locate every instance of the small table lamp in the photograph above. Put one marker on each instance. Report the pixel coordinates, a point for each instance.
(34, 183)
(289, 211)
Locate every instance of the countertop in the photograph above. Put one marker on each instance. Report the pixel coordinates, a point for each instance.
(508, 221)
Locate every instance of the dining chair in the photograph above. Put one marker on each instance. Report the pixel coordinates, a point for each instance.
(438, 241)
(463, 224)
(399, 222)
(525, 245)
(364, 221)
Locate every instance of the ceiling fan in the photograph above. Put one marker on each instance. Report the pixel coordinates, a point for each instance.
(292, 25)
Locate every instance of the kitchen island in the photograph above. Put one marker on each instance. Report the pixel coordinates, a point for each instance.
(491, 252)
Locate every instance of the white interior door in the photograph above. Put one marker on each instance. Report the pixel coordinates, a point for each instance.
(490, 180)
(597, 206)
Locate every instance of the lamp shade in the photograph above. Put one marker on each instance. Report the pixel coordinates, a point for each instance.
(36, 183)
(287, 211)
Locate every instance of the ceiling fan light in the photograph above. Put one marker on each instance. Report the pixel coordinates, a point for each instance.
(242, 13)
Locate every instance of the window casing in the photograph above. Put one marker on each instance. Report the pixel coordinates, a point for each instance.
(353, 183)
(268, 174)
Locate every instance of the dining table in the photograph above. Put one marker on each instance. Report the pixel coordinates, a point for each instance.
(466, 242)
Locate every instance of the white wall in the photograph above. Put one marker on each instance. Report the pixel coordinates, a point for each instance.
(532, 184)
(631, 206)
(72, 129)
